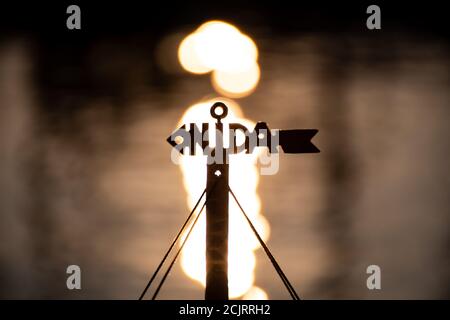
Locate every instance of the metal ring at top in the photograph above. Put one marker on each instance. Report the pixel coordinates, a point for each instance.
(218, 116)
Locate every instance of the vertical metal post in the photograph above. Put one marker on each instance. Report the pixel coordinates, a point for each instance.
(217, 233)
(217, 216)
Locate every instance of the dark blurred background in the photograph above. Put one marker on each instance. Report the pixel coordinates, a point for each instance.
(86, 176)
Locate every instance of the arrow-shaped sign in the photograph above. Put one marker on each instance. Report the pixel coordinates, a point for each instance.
(298, 141)
(290, 141)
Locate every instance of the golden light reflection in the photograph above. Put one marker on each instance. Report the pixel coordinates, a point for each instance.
(220, 47)
(188, 57)
(256, 293)
(236, 84)
(243, 179)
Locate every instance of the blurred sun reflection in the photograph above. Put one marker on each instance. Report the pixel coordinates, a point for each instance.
(236, 84)
(232, 56)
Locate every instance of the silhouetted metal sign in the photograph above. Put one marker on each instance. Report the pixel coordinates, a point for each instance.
(190, 140)
(186, 139)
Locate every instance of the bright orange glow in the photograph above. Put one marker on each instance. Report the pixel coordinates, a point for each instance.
(236, 85)
(256, 293)
(232, 56)
(243, 180)
(221, 46)
(188, 57)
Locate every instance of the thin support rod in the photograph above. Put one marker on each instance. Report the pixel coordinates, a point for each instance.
(182, 244)
(177, 254)
(277, 267)
(171, 247)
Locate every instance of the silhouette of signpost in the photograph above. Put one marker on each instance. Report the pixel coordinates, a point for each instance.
(189, 142)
